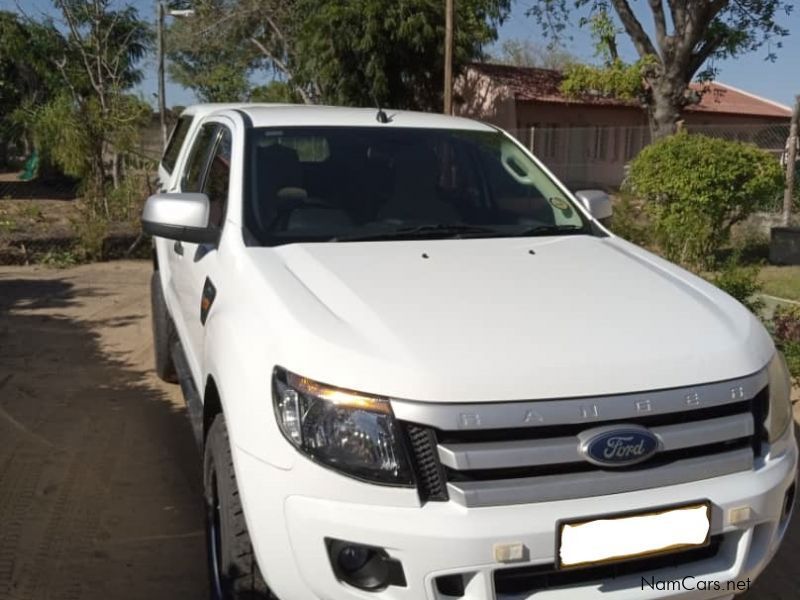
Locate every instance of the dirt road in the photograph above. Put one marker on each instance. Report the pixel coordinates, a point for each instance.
(99, 476)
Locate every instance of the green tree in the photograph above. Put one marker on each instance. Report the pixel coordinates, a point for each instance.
(362, 51)
(27, 77)
(219, 56)
(687, 39)
(350, 52)
(99, 64)
(209, 54)
(275, 91)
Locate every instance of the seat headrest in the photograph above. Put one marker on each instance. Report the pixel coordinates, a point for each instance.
(279, 167)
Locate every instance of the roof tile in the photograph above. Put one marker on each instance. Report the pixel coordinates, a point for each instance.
(529, 84)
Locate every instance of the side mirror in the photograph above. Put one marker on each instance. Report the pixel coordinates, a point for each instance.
(597, 202)
(181, 217)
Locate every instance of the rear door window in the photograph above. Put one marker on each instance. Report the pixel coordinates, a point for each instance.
(218, 179)
(194, 173)
(175, 142)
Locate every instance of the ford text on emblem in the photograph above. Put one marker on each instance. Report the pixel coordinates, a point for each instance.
(617, 445)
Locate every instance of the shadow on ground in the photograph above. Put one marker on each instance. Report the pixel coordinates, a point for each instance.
(65, 189)
(100, 484)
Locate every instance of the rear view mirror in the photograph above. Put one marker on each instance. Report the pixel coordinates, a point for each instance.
(597, 202)
(181, 217)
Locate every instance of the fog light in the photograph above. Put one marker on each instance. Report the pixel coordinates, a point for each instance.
(352, 558)
(364, 567)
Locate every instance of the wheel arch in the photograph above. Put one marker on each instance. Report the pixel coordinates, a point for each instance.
(212, 404)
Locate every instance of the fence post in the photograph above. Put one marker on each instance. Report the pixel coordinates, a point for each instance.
(791, 164)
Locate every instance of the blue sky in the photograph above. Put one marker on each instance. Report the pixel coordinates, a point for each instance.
(779, 80)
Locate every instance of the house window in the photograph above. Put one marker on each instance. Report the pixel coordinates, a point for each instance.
(544, 140)
(615, 153)
(551, 142)
(633, 142)
(599, 150)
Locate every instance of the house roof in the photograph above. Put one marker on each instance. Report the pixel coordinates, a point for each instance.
(529, 84)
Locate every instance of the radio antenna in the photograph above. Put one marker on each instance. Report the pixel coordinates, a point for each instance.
(381, 117)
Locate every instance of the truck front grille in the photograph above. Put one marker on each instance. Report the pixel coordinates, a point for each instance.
(541, 462)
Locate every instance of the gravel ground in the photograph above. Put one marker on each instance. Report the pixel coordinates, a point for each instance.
(100, 485)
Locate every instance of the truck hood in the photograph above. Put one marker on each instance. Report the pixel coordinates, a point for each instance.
(471, 320)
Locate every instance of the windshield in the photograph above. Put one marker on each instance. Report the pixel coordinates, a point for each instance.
(306, 184)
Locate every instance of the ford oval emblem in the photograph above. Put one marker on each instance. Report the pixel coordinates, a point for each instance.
(618, 445)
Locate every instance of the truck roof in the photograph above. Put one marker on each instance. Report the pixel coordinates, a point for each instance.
(201, 110)
(303, 115)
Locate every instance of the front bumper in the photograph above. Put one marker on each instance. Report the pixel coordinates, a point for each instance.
(291, 512)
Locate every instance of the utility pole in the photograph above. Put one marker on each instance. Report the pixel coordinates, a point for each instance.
(448, 57)
(162, 108)
(791, 163)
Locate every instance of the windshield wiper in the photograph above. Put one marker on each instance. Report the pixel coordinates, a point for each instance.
(552, 230)
(440, 229)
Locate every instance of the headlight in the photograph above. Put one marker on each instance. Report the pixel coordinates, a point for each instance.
(348, 431)
(780, 405)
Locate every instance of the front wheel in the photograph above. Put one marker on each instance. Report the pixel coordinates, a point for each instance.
(232, 564)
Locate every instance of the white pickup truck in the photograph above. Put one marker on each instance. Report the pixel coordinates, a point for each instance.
(421, 368)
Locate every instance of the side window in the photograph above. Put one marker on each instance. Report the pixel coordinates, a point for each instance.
(192, 180)
(175, 143)
(219, 176)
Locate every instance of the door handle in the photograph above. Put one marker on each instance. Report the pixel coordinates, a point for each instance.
(178, 247)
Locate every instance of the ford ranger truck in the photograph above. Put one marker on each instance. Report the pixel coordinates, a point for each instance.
(420, 368)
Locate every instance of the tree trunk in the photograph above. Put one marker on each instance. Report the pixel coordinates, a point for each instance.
(115, 169)
(664, 111)
(791, 163)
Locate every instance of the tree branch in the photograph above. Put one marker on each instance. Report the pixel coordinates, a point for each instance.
(641, 41)
(75, 36)
(283, 67)
(660, 21)
(677, 9)
(698, 19)
(701, 55)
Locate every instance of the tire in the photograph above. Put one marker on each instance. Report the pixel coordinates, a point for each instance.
(164, 335)
(233, 570)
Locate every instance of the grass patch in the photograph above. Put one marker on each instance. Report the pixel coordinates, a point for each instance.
(783, 282)
(59, 259)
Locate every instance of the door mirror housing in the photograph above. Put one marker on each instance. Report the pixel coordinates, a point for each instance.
(597, 202)
(181, 217)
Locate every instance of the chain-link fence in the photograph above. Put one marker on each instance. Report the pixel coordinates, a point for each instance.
(597, 156)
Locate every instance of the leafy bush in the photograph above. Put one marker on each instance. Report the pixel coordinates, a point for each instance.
(630, 221)
(750, 240)
(786, 329)
(786, 324)
(617, 79)
(741, 283)
(696, 188)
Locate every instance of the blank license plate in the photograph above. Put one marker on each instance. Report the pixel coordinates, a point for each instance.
(625, 537)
